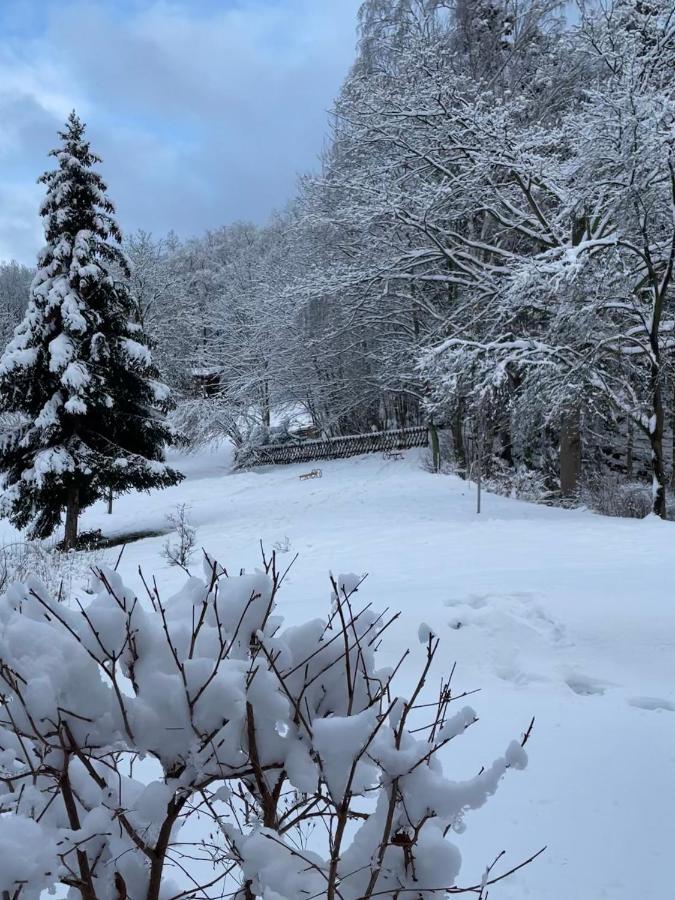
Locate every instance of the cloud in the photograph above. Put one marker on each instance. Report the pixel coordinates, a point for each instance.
(19, 225)
(204, 112)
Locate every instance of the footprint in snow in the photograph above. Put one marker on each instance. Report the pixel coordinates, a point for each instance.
(520, 610)
(474, 601)
(652, 703)
(584, 685)
(518, 676)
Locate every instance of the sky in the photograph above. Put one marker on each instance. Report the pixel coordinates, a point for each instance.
(204, 111)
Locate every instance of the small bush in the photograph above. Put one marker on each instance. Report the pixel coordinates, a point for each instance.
(520, 483)
(611, 495)
(62, 573)
(179, 552)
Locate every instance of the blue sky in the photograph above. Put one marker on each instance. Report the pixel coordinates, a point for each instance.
(205, 111)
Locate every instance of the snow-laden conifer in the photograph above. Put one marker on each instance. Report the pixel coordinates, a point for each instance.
(78, 374)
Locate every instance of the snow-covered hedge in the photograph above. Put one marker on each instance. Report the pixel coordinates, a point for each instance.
(150, 747)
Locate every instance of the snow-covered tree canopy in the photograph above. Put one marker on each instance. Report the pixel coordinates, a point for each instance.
(492, 229)
(78, 371)
(187, 748)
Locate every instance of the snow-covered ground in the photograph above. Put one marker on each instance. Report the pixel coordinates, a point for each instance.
(562, 615)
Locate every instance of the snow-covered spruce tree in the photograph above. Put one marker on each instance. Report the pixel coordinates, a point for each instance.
(78, 372)
(252, 734)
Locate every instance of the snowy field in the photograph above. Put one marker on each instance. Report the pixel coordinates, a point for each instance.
(562, 615)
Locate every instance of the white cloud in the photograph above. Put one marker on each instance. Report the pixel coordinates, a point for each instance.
(203, 113)
(20, 226)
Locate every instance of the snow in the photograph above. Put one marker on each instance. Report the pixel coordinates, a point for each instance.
(17, 833)
(161, 392)
(558, 614)
(91, 270)
(75, 406)
(52, 461)
(136, 353)
(49, 413)
(75, 376)
(71, 310)
(17, 357)
(61, 351)
(340, 739)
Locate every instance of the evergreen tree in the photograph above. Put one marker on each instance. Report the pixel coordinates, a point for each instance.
(77, 375)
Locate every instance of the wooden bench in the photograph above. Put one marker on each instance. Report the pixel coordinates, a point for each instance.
(315, 473)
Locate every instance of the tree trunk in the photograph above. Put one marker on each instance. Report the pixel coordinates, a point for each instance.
(110, 501)
(629, 450)
(480, 430)
(656, 441)
(435, 447)
(72, 514)
(458, 438)
(570, 453)
(507, 446)
(265, 413)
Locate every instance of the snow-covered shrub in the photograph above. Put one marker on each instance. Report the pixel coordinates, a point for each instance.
(611, 495)
(260, 435)
(519, 482)
(203, 421)
(251, 732)
(180, 550)
(61, 573)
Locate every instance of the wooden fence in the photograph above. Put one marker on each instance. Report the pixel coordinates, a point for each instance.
(335, 448)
